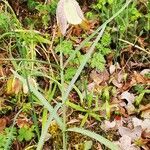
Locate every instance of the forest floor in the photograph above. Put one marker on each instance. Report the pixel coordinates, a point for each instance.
(88, 89)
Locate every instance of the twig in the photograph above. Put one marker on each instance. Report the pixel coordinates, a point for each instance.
(136, 46)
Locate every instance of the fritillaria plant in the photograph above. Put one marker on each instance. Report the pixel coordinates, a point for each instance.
(68, 12)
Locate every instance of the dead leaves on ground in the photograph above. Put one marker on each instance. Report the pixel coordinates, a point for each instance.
(133, 125)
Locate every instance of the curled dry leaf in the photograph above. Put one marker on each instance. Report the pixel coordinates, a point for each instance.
(3, 123)
(112, 69)
(145, 71)
(140, 78)
(107, 125)
(133, 134)
(146, 114)
(99, 77)
(136, 122)
(112, 125)
(68, 11)
(128, 96)
(117, 84)
(125, 143)
(145, 124)
(117, 80)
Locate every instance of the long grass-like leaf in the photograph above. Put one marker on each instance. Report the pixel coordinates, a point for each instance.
(83, 63)
(95, 136)
(45, 128)
(95, 32)
(41, 98)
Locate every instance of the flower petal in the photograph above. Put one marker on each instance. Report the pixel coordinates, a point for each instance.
(73, 12)
(61, 17)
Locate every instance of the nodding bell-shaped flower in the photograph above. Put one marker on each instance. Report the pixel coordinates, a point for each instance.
(68, 12)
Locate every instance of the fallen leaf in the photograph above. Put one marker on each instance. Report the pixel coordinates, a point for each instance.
(136, 122)
(22, 122)
(116, 83)
(107, 125)
(132, 133)
(139, 78)
(99, 77)
(145, 71)
(125, 143)
(112, 69)
(146, 125)
(128, 96)
(130, 109)
(3, 123)
(144, 107)
(146, 114)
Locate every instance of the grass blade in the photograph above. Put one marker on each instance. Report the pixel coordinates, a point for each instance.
(41, 98)
(45, 128)
(95, 136)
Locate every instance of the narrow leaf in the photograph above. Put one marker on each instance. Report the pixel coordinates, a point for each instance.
(95, 136)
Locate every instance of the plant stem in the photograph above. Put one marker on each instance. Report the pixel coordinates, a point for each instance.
(63, 101)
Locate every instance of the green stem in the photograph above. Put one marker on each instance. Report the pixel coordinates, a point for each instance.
(63, 101)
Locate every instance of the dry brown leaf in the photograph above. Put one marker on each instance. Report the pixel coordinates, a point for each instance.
(117, 84)
(146, 114)
(3, 123)
(17, 86)
(133, 134)
(99, 77)
(23, 121)
(128, 96)
(130, 109)
(145, 71)
(139, 78)
(144, 107)
(125, 143)
(145, 124)
(107, 125)
(112, 69)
